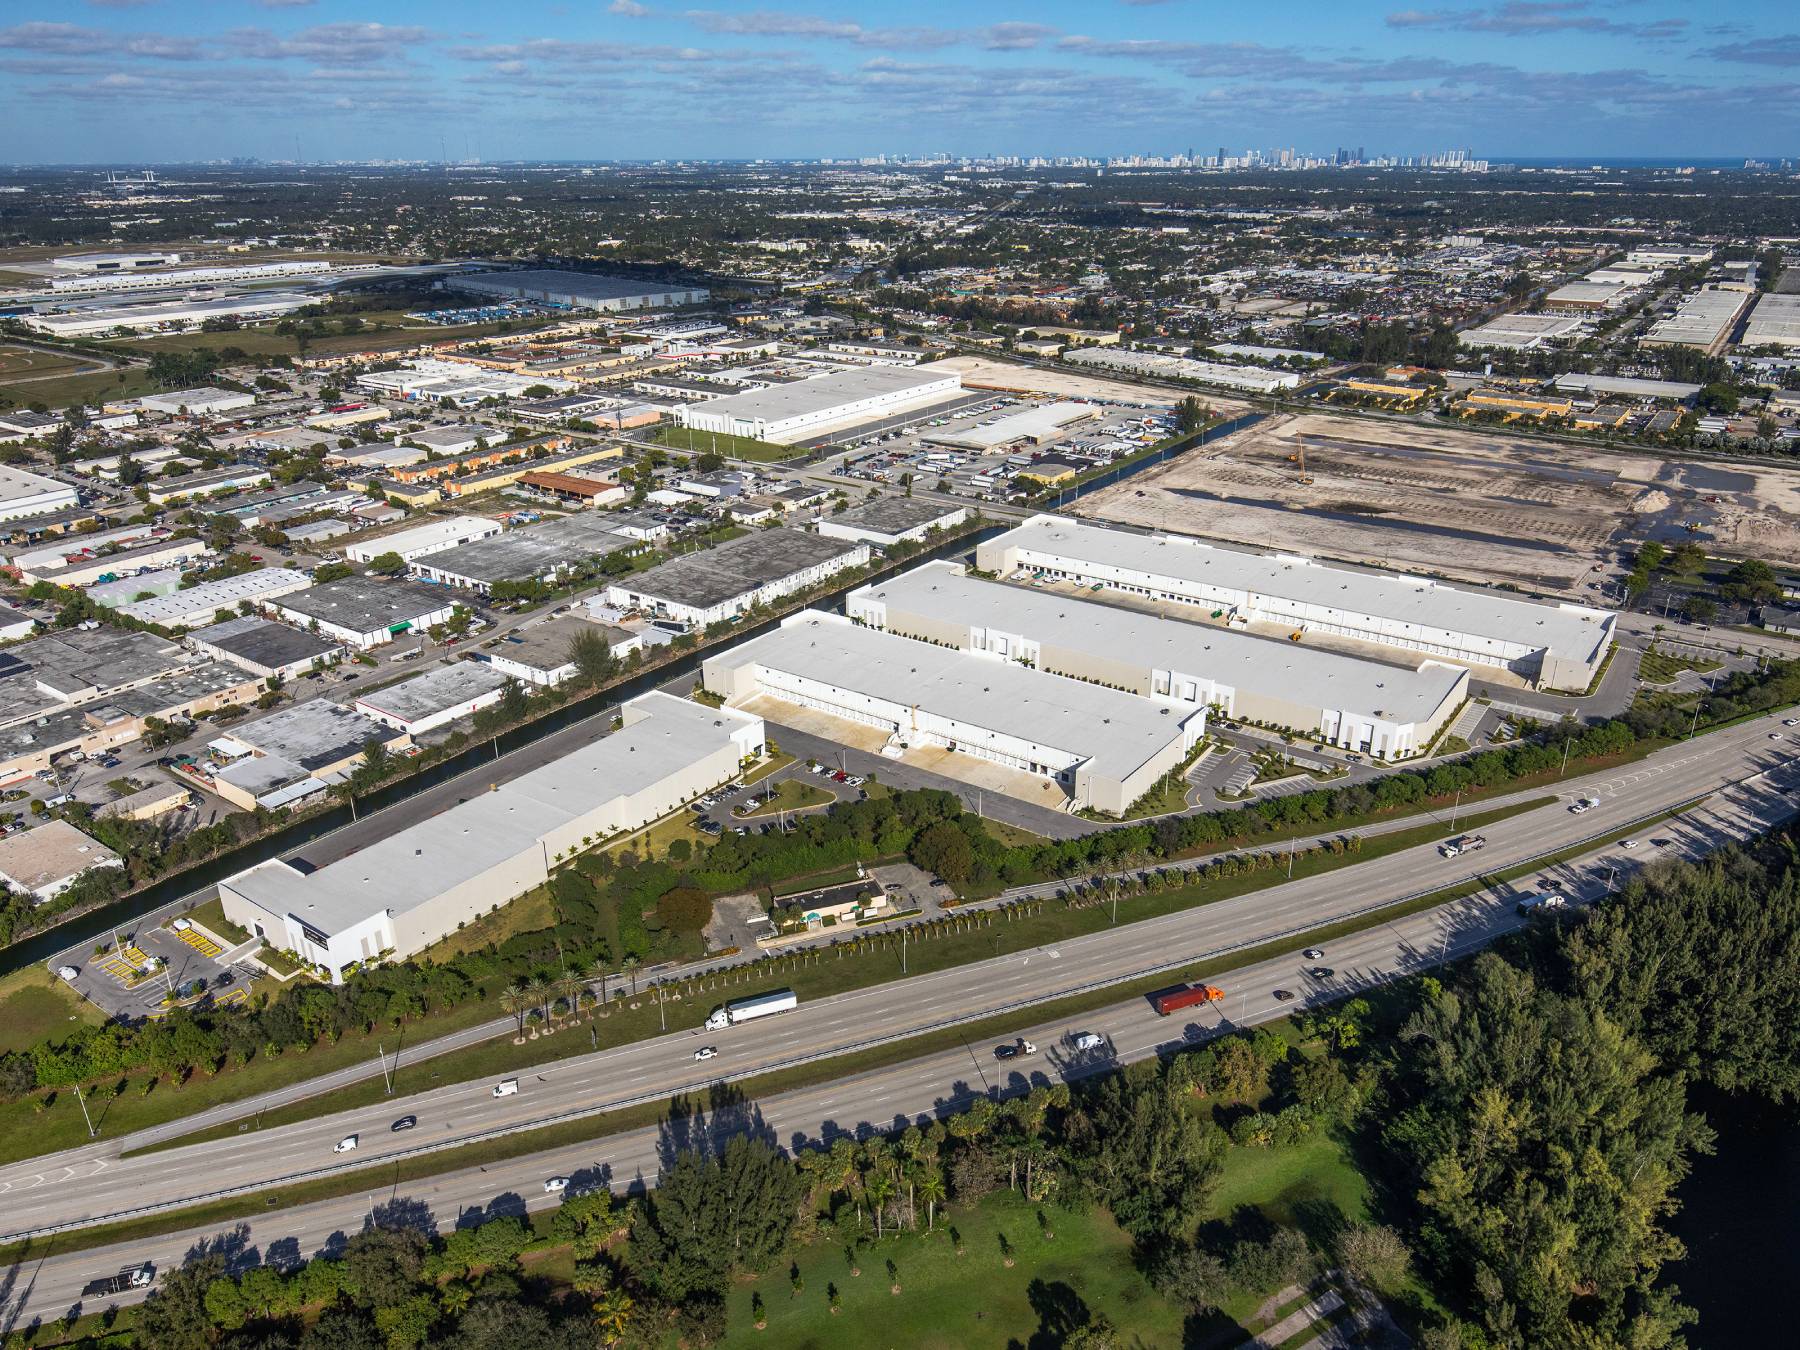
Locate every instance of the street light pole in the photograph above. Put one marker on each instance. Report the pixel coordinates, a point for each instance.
(1453, 806)
(386, 1077)
(1568, 744)
(81, 1096)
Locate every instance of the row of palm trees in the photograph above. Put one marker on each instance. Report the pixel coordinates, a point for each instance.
(522, 998)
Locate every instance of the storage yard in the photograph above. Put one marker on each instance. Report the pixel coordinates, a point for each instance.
(1466, 504)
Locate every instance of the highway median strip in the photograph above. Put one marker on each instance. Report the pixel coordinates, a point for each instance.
(841, 1067)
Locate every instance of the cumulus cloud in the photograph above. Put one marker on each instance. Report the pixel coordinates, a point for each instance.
(1770, 51)
(1012, 36)
(631, 9)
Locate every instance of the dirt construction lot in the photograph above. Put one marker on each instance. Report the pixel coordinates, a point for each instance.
(1473, 505)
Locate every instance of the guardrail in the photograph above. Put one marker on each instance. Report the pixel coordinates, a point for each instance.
(870, 1043)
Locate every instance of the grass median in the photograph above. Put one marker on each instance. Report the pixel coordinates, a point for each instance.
(386, 1176)
(820, 973)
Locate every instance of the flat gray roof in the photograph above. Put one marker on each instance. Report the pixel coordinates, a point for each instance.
(894, 515)
(582, 285)
(363, 604)
(714, 575)
(531, 552)
(1115, 731)
(414, 866)
(74, 660)
(434, 691)
(1566, 630)
(545, 646)
(822, 393)
(1290, 670)
(264, 642)
(313, 734)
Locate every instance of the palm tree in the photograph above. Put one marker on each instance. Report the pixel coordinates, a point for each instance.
(630, 964)
(599, 971)
(539, 994)
(568, 985)
(879, 1186)
(931, 1186)
(612, 1314)
(455, 1297)
(515, 1001)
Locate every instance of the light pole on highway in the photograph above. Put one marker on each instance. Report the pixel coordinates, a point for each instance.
(1453, 806)
(81, 1097)
(386, 1077)
(903, 951)
(1568, 743)
(1610, 873)
(1695, 723)
(661, 1008)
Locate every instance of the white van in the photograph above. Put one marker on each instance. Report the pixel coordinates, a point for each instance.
(1089, 1040)
(509, 1088)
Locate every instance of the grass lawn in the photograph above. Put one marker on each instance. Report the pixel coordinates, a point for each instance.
(397, 331)
(36, 1006)
(736, 447)
(792, 795)
(211, 916)
(29, 363)
(101, 386)
(1013, 836)
(973, 1300)
(1658, 667)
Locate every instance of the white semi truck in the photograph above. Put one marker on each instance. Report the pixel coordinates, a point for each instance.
(749, 1009)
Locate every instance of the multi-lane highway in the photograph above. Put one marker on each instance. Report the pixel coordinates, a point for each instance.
(85, 1185)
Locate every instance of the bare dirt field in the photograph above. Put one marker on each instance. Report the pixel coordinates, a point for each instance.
(1467, 504)
(980, 372)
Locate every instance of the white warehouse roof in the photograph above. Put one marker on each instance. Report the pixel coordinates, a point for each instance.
(1301, 674)
(822, 393)
(1571, 631)
(1116, 733)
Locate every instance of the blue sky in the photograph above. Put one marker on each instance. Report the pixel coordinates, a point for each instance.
(117, 81)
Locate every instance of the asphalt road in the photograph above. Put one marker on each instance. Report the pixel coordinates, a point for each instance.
(84, 1185)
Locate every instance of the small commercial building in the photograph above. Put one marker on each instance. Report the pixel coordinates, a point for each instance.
(82, 569)
(411, 888)
(24, 494)
(1105, 748)
(543, 552)
(206, 482)
(717, 584)
(203, 402)
(362, 612)
(787, 413)
(45, 861)
(15, 624)
(295, 753)
(434, 698)
(887, 521)
(435, 536)
(264, 648)
(198, 604)
(1032, 426)
(1559, 646)
(576, 488)
(540, 654)
(1585, 297)
(151, 803)
(1668, 391)
(1388, 711)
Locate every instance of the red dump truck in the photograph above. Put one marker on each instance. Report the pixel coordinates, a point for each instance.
(1189, 996)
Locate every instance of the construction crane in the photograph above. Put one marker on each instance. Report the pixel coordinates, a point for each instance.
(1305, 478)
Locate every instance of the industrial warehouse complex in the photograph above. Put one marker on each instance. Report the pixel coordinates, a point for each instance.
(410, 889)
(721, 583)
(577, 290)
(1388, 711)
(786, 412)
(1103, 747)
(1559, 646)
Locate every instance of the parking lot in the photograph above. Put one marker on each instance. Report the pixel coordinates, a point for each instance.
(886, 455)
(135, 980)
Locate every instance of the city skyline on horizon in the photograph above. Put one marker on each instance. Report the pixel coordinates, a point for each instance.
(146, 81)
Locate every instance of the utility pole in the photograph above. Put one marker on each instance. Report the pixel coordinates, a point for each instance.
(1695, 723)
(81, 1096)
(1568, 744)
(386, 1076)
(1293, 844)
(903, 951)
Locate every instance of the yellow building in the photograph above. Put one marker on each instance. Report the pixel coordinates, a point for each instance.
(1517, 405)
(506, 475)
(1401, 395)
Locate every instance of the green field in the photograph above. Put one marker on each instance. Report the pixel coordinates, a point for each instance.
(384, 329)
(102, 386)
(35, 1006)
(27, 363)
(734, 447)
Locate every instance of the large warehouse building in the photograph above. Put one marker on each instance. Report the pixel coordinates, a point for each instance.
(546, 551)
(1558, 646)
(1388, 711)
(721, 583)
(784, 413)
(1104, 747)
(578, 290)
(23, 494)
(408, 890)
